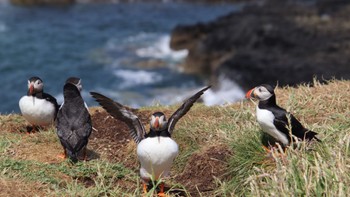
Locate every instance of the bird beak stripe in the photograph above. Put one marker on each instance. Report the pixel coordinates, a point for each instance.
(249, 93)
(156, 123)
(31, 89)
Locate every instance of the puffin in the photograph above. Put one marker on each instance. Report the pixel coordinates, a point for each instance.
(276, 121)
(156, 150)
(38, 107)
(73, 122)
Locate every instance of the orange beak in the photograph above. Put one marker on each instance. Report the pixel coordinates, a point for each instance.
(249, 93)
(156, 123)
(31, 89)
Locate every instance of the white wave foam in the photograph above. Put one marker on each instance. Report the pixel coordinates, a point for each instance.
(160, 49)
(137, 77)
(228, 92)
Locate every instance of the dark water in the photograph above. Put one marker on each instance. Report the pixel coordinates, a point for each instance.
(104, 44)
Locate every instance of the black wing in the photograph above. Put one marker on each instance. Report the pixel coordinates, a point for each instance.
(185, 107)
(52, 99)
(118, 111)
(285, 122)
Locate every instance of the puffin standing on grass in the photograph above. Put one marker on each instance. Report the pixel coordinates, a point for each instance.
(38, 107)
(156, 150)
(73, 121)
(276, 121)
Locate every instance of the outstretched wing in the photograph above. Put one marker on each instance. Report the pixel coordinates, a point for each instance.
(185, 107)
(118, 111)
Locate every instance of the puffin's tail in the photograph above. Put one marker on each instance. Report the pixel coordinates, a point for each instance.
(73, 156)
(309, 135)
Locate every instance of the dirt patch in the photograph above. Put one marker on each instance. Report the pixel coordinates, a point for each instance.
(111, 138)
(45, 152)
(202, 168)
(17, 188)
(12, 123)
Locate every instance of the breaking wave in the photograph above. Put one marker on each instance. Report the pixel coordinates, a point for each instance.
(228, 92)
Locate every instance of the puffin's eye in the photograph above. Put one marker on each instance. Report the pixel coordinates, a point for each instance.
(259, 89)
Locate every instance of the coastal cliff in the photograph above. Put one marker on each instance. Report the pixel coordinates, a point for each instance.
(276, 42)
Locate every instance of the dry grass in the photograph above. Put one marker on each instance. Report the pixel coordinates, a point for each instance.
(30, 162)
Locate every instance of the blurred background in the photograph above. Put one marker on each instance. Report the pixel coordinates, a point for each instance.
(141, 53)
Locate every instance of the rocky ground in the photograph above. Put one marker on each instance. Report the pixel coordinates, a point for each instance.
(286, 41)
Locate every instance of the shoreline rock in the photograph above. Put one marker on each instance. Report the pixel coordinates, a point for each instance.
(275, 42)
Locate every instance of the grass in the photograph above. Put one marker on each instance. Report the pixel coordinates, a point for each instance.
(313, 169)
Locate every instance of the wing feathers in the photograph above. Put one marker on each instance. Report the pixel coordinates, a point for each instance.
(185, 107)
(118, 111)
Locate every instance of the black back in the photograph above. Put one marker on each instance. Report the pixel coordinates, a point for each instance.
(73, 122)
(283, 120)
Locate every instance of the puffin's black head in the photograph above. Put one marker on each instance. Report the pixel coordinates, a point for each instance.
(70, 91)
(75, 81)
(262, 92)
(158, 121)
(35, 85)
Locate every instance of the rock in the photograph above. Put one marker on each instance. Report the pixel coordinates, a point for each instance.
(288, 43)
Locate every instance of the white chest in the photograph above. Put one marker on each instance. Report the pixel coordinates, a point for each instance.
(265, 119)
(37, 111)
(156, 156)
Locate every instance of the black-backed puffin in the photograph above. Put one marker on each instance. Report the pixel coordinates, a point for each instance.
(156, 150)
(276, 121)
(38, 107)
(73, 122)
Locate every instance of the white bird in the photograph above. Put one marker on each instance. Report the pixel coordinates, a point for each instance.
(38, 107)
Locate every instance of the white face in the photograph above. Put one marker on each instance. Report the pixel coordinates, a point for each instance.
(261, 93)
(158, 122)
(35, 86)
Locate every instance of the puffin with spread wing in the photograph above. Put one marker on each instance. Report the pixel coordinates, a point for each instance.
(156, 149)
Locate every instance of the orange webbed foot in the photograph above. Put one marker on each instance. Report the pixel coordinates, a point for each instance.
(144, 188)
(266, 149)
(63, 155)
(161, 192)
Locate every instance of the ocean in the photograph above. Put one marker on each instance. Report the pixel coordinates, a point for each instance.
(120, 50)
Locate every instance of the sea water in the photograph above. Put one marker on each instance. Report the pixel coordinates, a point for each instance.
(120, 50)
